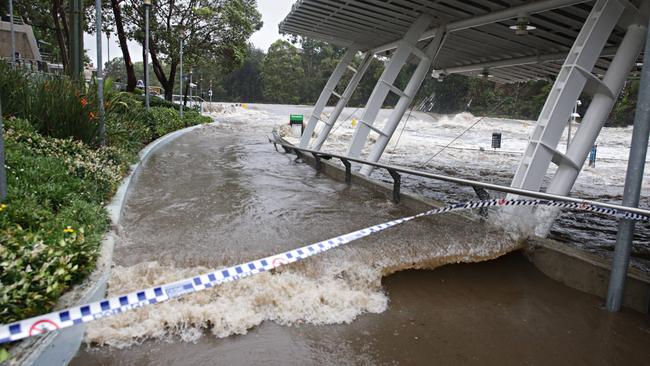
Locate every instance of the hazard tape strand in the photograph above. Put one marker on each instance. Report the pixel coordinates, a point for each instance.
(119, 304)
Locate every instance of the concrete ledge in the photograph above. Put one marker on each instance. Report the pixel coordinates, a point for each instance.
(587, 272)
(58, 348)
(575, 268)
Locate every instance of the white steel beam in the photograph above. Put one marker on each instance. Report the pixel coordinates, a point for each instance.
(382, 88)
(420, 73)
(599, 109)
(567, 88)
(327, 92)
(343, 101)
(493, 17)
(519, 61)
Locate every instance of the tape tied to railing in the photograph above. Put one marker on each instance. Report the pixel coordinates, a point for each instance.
(115, 305)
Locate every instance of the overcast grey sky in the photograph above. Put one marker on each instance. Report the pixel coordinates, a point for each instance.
(273, 12)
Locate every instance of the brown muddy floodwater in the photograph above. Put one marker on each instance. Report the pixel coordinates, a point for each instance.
(222, 195)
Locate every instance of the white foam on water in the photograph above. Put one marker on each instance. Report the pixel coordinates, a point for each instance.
(332, 288)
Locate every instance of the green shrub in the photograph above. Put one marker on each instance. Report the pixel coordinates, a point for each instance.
(193, 117)
(165, 120)
(53, 221)
(59, 179)
(127, 123)
(155, 101)
(55, 105)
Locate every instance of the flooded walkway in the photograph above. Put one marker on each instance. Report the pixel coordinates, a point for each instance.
(221, 195)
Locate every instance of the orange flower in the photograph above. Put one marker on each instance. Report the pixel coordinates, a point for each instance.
(84, 102)
(92, 115)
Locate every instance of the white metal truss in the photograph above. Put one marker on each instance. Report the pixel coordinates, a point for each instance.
(343, 101)
(327, 93)
(406, 98)
(574, 76)
(407, 47)
(604, 96)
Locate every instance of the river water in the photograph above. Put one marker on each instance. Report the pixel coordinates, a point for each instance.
(221, 195)
(462, 145)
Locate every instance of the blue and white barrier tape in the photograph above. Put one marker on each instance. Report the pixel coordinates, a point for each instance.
(119, 304)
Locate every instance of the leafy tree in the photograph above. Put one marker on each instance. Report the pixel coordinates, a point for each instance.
(214, 30)
(283, 73)
(116, 71)
(245, 83)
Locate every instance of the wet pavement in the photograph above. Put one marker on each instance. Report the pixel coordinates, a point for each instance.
(221, 195)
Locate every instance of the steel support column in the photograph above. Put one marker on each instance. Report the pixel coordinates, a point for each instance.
(343, 101)
(3, 173)
(327, 92)
(430, 54)
(599, 109)
(572, 79)
(13, 33)
(632, 191)
(601, 105)
(100, 73)
(406, 47)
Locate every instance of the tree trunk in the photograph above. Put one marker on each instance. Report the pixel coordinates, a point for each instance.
(187, 89)
(169, 87)
(56, 11)
(64, 22)
(167, 83)
(131, 81)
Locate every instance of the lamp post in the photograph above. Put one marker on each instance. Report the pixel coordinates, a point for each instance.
(190, 88)
(181, 81)
(100, 73)
(108, 46)
(13, 33)
(147, 8)
(3, 175)
(574, 117)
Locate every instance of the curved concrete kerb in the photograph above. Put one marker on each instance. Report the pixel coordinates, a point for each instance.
(58, 348)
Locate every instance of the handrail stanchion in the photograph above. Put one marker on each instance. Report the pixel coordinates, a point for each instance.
(318, 164)
(482, 195)
(348, 170)
(397, 181)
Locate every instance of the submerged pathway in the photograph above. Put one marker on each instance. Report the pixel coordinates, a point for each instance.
(221, 195)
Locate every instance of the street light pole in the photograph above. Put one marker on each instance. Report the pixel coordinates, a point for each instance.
(100, 73)
(190, 88)
(181, 81)
(3, 174)
(108, 46)
(13, 33)
(147, 7)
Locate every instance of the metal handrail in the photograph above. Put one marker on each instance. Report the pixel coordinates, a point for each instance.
(466, 182)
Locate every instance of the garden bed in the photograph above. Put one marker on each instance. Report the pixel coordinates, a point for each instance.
(59, 179)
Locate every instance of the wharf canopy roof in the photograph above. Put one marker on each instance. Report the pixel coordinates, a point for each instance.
(489, 45)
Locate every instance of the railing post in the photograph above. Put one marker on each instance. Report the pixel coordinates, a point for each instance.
(348, 170)
(397, 180)
(318, 164)
(482, 195)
